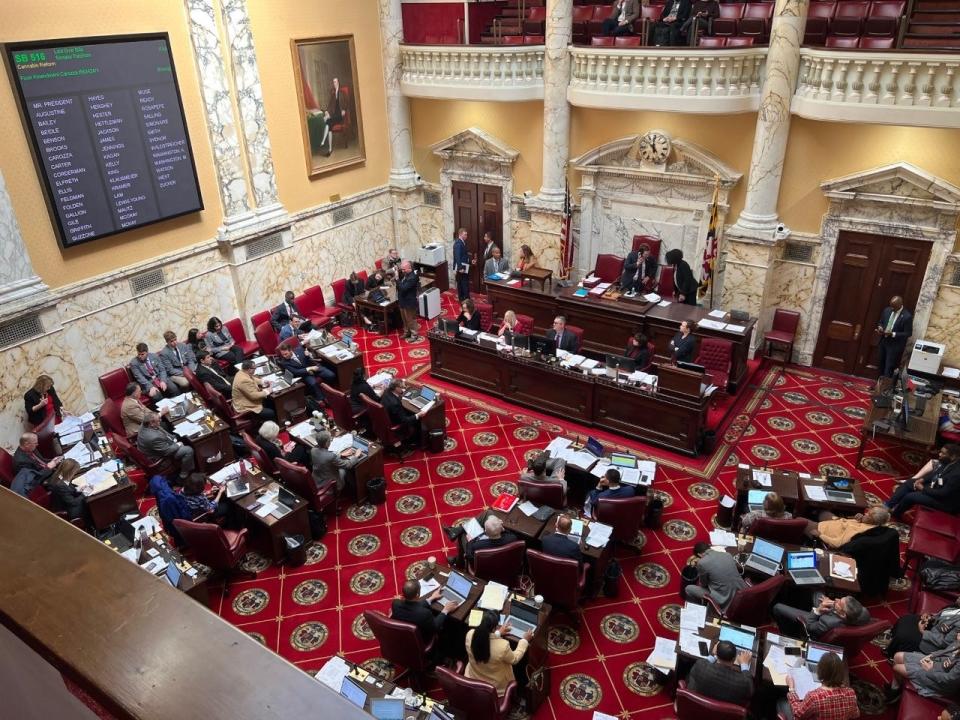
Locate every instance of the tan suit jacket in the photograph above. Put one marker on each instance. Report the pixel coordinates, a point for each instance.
(132, 412)
(247, 395)
(498, 670)
(835, 533)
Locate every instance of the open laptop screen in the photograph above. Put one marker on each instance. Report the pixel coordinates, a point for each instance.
(768, 550)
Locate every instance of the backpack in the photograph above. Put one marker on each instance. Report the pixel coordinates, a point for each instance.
(940, 575)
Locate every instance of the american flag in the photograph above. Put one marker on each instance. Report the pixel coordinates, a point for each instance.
(710, 250)
(566, 242)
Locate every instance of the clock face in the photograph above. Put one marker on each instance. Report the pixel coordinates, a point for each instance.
(655, 148)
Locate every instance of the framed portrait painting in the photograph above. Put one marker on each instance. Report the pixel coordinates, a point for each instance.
(329, 99)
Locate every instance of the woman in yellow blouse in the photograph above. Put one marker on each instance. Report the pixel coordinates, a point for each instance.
(489, 655)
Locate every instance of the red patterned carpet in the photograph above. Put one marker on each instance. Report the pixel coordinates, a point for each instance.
(800, 419)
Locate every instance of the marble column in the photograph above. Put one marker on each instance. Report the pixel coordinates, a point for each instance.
(253, 119)
(402, 172)
(19, 284)
(759, 217)
(556, 110)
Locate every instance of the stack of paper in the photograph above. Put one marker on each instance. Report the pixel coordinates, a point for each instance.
(632, 476)
(803, 681)
(841, 569)
(82, 454)
(664, 654)
(723, 538)
(558, 444)
(428, 586)
(815, 492)
(341, 443)
(712, 324)
(693, 616)
(601, 468)
(301, 430)
(652, 297)
(648, 469)
(572, 360)
(333, 672)
(528, 508)
(663, 303)
(196, 415)
(95, 480)
(225, 473)
(493, 597)
(598, 290)
(187, 429)
(589, 363)
(467, 332)
(379, 379)
(718, 314)
(475, 617)
(599, 534)
(950, 372)
(776, 663)
(472, 528)
(694, 644)
(735, 328)
(265, 509)
(763, 478)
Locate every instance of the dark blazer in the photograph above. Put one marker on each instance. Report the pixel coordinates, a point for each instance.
(630, 266)
(157, 442)
(877, 552)
(683, 347)
(66, 498)
(460, 254)
(650, 266)
(395, 409)
(359, 389)
(622, 491)
(483, 542)
(682, 10)
(560, 545)
(902, 327)
(473, 323)
(407, 287)
(281, 316)
(418, 612)
(36, 461)
(32, 397)
(352, 289)
(175, 365)
(297, 369)
(372, 282)
(568, 342)
(216, 378)
(639, 353)
(944, 486)
(720, 682)
(683, 280)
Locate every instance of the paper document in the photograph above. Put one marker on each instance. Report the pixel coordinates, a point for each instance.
(776, 663)
(187, 429)
(632, 476)
(333, 672)
(428, 407)
(599, 534)
(70, 424)
(664, 654)
(225, 473)
(597, 715)
(693, 616)
(265, 509)
(472, 528)
(494, 595)
(195, 416)
(950, 372)
(718, 314)
(558, 444)
(148, 523)
(735, 328)
(475, 617)
(647, 468)
(723, 538)
(652, 297)
(712, 324)
(81, 453)
(341, 443)
(803, 681)
(528, 508)
(663, 303)
(763, 477)
(727, 501)
(842, 569)
(428, 586)
(690, 643)
(600, 468)
(815, 492)
(71, 438)
(301, 430)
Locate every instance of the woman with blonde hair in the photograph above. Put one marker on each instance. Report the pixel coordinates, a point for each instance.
(509, 326)
(41, 402)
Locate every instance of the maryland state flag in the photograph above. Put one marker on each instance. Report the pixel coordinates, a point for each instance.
(710, 250)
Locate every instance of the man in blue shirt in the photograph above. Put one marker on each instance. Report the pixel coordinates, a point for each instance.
(610, 488)
(461, 264)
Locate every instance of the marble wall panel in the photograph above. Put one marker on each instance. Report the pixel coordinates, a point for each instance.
(544, 239)
(619, 220)
(791, 288)
(944, 321)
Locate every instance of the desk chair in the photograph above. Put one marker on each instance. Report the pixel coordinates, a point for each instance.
(195, 384)
(239, 335)
(625, 515)
(854, 637)
(390, 436)
(342, 410)
(561, 581)
(476, 699)
(609, 268)
(110, 417)
(789, 531)
(6, 468)
(114, 383)
(543, 493)
(665, 286)
(401, 644)
(150, 466)
(782, 335)
(224, 410)
(220, 550)
(691, 706)
(751, 606)
(299, 480)
(263, 460)
(500, 564)
(267, 338)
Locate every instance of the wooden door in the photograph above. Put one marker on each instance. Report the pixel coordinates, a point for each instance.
(867, 271)
(478, 208)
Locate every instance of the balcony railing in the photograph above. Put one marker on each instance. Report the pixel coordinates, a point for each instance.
(898, 88)
(473, 72)
(720, 81)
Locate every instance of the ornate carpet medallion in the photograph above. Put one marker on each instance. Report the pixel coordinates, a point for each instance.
(703, 491)
(477, 417)
(309, 636)
(562, 639)
(679, 530)
(309, 592)
(818, 417)
(360, 629)
(669, 616)
(363, 545)
(457, 497)
(250, 602)
(361, 513)
(494, 463)
(502, 487)
(845, 440)
(450, 469)
(833, 469)
(415, 536)
(580, 691)
(410, 504)
(619, 628)
(781, 424)
(641, 679)
(316, 552)
(255, 563)
(796, 398)
(405, 475)
(765, 452)
(806, 446)
(380, 666)
(367, 582)
(485, 439)
(652, 575)
(526, 433)
(831, 393)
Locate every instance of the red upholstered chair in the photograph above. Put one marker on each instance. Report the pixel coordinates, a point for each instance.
(342, 128)
(298, 480)
(819, 15)
(650, 241)
(876, 43)
(560, 580)
(263, 460)
(390, 436)
(500, 564)
(914, 706)
(739, 41)
(729, 20)
(716, 355)
(929, 603)
(195, 384)
(239, 335)
(936, 521)
(110, 417)
(524, 324)
(625, 515)
(595, 25)
(378, 264)
(486, 315)
(780, 530)
(926, 543)
(623, 41)
(475, 699)
(691, 706)
(601, 41)
(649, 14)
(6, 468)
(534, 39)
(713, 42)
(665, 287)
(259, 318)
(651, 349)
(782, 334)
(342, 409)
(751, 605)
(339, 287)
(208, 543)
(577, 333)
(543, 493)
(756, 20)
(581, 18)
(535, 21)
(883, 19)
(114, 383)
(400, 644)
(511, 39)
(609, 267)
(853, 637)
(848, 18)
(842, 41)
(267, 338)
(362, 274)
(150, 466)
(225, 411)
(320, 315)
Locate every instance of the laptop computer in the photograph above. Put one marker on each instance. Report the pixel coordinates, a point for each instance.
(387, 708)
(426, 395)
(616, 363)
(594, 447)
(173, 575)
(816, 650)
(802, 567)
(237, 487)
(287, 498)
(451, 327)
(838, 495)
(457, 588)
(623, 460)
(360, 444)
(765, 557)
(755, 499)
(522, 618)
(353, 692)
(177, 411)
(743, 639)
(438, 713)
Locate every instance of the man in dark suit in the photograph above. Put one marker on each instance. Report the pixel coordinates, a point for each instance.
(209, 372)
(727, 679)
(684, 284)
(895, 328)
(27, 456)
(622, 15)
(175, 357)
(610, 488)
(825, 615)
(408, 287)
(309, 371)
(937, 488)
(565, 339)
(155, 442)
(493, 536)
(399, 415)
(559, 543)
(413, 610)
(461, 264)
(666, 31)
(284, 311)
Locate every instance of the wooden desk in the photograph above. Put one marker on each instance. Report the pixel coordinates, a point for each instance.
(711, 633)
(369, 467)
(610, 321)
(439, 274)
(212, 448)
(435, 419)
(343, 369)
(921, 429)
(527, 527)
(389, 311)
(805, 505)
(541, 275)
(195, 586)
(266, 534)
(290, 403)
(378, 687)
(110, 505)
(784, 484)
(831, 585)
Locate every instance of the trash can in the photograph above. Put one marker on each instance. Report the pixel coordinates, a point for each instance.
(688, 576)
(611, 580)
(295, 547)
(435, 440)
(377, 491)
(654, 517)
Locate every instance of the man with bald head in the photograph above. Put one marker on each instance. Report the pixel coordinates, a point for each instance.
(895, 328)
(410, 608)
(560, 543)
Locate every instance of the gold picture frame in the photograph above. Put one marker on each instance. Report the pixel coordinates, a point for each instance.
(330, 116)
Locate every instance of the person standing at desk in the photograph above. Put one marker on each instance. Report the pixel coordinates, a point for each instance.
(895, 328)
(685, 286)
(408, 285)
(683, 343)
(41, 402)
(469, 318)
(461, 264)
(488, 246)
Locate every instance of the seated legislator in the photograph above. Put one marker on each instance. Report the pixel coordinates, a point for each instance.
(684, 283)
(295, 326)
(683, 343)
(527, 260)
(773, 508)
(268, 440)
(833, 700)
(565, 339)
(559, 543)
(64, 496)
(637, 350)
(209, 372)
(41, 401)
(27, 456)
(835, 532)
(508, 327)
(390, 264)
(935, 675)
(608, 487)
(925, 633)
(469, 318)
(155, 442)
(249, 393)
(411, 609)
(489, 656)
(825, 615)
(196, 342)
(133, 411)
(496, 263)
(151, 373)
(353, 288)
(376, 280)
(199, 503)
(285, 311)
(308, 370)
(176, 356)
(360, 387)
(399, 415)
(221, 344)
(493, 536)
(936, 485)
(718, 576)
(328, 466)
(544, 469)
(727, 678)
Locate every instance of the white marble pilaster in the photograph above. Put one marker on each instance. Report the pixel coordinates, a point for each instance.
(556, 110)
(759, 216)
(19, 284)
(402, 172)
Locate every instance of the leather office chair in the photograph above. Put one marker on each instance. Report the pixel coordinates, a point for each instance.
(625, 515)
(883, 19)
(926, 543)
(595, 24)
(914, 706)
(267, 338)
(114, 383)
(524, 324)
(339, 287)
(486, 315)
(650, 241)
(936, 521)
(577, 332)
(739, 41)
(783, 333)
(854, 637)
(789, 531)
(535, 21)
(711, 42)
(534, 39)
(6, 468)
(691, 706)
(219, 549)
(239, 335)
(259, 318)
(195, 383)
(390, 436)
(848, 18)
(501, 564)
(876, 43)
(320, 315)
(651, 350)
(929, 603)
(581, 17)
(543, 493)
(819, 15)
(665, 286)
(609, 268)
(728, 23)
(842, 41)
(339, 403)
(475, 699)
(225, 411)
(716, 356)
(151, 466)
(110, 417)
(561, 581)
(298, 480)
(756, 20)
(751, 606)
(263, 460)
(401, 644)
(628, 41)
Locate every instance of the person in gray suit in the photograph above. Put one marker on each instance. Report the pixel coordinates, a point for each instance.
(328, 466)
(155, 442)
(150, 372)
(496, 263)
(719, 576)
(176, 356)
(825, 615)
